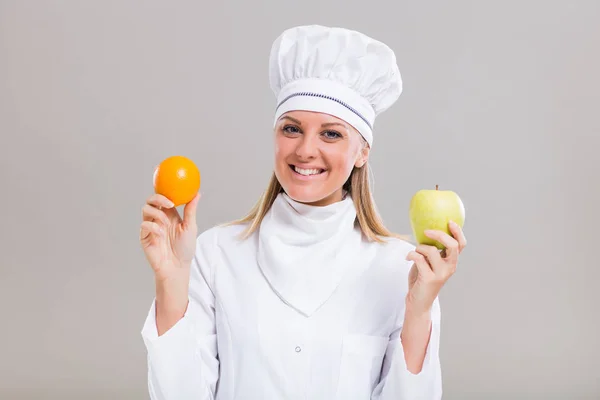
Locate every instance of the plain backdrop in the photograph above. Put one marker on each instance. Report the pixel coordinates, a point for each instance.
(501, 104)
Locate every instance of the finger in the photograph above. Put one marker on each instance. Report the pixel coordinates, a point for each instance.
(448, 241)
(433, 256)
(158, 200)
(458, 234)
(149, 227)
(189, 211)
(150, 213)
(163, 203)
(422, 265)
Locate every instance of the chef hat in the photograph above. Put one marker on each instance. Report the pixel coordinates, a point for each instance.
(334, 71)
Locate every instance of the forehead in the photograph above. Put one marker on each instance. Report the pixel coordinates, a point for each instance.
(313, 117)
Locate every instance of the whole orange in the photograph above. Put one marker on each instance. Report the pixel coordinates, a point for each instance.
(178, 179)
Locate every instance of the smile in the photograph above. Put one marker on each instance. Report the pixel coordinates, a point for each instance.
(306, 172)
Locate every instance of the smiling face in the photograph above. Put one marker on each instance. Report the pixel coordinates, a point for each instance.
(315, 154)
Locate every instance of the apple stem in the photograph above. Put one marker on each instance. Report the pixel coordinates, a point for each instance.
(436, 187)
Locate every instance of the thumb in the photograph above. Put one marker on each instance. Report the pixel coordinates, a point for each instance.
(189, 211)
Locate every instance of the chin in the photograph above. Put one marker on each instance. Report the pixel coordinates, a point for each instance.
(303, 195)
(310, 195)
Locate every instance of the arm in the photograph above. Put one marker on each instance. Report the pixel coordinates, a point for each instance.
(415, 336)
(171, 301)
(411, 368)
(180, 334)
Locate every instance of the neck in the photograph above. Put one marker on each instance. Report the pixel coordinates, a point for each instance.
(304, 251)
(334, 197)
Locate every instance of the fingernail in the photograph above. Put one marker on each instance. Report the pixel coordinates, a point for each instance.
(453, 223)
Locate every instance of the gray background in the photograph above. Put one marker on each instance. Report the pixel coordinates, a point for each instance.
(500, 105)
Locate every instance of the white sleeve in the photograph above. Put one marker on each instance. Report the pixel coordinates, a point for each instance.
(397, 382)
(183, 362)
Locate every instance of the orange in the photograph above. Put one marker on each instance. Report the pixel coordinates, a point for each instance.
(178, 179)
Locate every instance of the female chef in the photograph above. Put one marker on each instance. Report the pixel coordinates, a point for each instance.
(309, 296)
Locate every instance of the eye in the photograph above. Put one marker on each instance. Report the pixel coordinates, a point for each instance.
(291, 129)
(332, 135)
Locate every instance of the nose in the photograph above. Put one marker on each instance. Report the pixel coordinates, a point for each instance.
(308, 147)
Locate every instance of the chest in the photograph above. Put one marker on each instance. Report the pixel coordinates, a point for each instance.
(266, 340)
(362, 311)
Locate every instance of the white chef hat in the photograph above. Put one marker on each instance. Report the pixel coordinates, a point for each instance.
(335, 71)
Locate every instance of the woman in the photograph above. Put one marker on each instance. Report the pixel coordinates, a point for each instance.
(309, 296)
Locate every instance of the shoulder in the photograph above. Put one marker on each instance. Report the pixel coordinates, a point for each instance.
(393, 248)
(390, 257)
(218, 235)
(211, 244)
(224, 238)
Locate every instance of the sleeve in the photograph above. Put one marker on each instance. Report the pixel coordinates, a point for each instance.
(183, 362)
(397, 382)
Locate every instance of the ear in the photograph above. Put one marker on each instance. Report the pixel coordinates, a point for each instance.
(362, 157)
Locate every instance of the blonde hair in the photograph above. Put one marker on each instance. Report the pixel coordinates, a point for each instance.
(357, 186)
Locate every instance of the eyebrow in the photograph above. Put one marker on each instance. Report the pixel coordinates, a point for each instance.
(325, 125)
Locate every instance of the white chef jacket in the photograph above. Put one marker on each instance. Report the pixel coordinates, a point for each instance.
(306, 308)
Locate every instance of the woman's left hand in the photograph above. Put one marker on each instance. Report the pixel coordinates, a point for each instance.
(432, 268)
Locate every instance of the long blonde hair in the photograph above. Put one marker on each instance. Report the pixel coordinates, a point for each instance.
(357, 186)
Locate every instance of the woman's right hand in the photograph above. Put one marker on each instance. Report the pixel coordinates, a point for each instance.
(168, 241)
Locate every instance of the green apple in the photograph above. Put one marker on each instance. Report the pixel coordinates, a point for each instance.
(434, 209)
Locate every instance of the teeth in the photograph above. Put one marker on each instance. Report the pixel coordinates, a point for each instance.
(307, 171)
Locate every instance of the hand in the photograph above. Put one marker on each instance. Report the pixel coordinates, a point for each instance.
(432, 268)
(168, 241)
